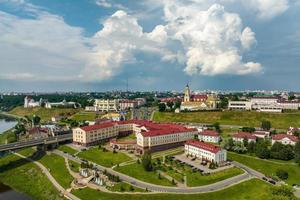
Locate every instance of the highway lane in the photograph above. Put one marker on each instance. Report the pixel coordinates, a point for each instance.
(158, 188)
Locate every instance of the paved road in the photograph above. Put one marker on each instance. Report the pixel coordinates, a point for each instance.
(30, 143)
(50, 177)
(158, 188)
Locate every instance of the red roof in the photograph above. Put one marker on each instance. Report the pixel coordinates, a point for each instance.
(261, 132)
(199, 97)
(282, 135)
(210, 133)
(153, 129)
(170, 99)
(202, 145)
(244, 135)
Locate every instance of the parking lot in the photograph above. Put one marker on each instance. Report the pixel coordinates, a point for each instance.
(197, 164)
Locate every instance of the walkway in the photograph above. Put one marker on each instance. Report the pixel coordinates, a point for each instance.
(50, 177)
(158, 188)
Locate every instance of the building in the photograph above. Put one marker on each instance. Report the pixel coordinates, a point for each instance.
(62, 104)
(240, 136)
(292, 131)
(29, 102)
(107, 105)
(285, 139)
(205, 151)
(193, 102)
(209, 136)
(126, 104)
(150, 136)
(289, 105)
(239, 105)
(262, 134)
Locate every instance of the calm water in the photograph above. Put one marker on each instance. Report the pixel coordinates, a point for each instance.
(6, 193)
(6, 124)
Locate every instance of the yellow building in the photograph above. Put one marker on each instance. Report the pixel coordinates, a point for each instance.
(192, 102)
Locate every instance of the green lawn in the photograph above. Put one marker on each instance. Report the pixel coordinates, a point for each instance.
(125, 187)
(44, 113)
(85, 116)
(106, 159)
(28, 152)
(67, 149)
(249, 190)
(197, 179)
(137, 171)
(269, 168)
(8, 136)
(278, 120)
(27, 178)
(74, 166)
(128, 137)
(58, 169)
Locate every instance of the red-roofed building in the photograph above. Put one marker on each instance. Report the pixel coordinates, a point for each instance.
(262, 134)
(240, 136)
(205, 151)
(151, 136)
(285, 139)
(209, 136)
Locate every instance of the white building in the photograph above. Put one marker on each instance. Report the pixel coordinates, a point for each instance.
(62, 104)
(205, 151)
(240, 136)
(107, 105)
(239, 105)
(262, 134)
(128, 104)
(30, 103)
(285, 139)
(209, 136)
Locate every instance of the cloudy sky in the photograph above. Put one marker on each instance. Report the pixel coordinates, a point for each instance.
(97, 45)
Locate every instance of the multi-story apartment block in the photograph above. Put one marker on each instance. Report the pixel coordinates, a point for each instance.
(240, 136)
(209, 136)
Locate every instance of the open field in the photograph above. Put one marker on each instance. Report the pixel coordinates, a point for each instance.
(269, 167)
(137, 171)
(67, 149)
(253, 189)
(74, 166)
(253, 119)
(125, 187)
(8, 136)
(85, 116)
(27, 178)
(57, 167)
(197, 179)
(44, 113)
(106, 159)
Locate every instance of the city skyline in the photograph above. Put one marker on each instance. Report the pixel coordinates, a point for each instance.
(217, 45)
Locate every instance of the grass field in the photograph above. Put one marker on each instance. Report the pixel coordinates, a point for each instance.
(7, 136)
(268, 167)
(27, 152)
(125, 187)
(67, 149)
(106, 159)
(44, 113)
(74, 166)
(250, 190)
(197, 179)
(278, 120)
(137, 171)
(58, 169)
(85, 116)
(27, 178)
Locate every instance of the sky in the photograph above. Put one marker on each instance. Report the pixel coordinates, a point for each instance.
(100, 45)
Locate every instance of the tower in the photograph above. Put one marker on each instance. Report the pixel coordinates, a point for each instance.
(187, 93)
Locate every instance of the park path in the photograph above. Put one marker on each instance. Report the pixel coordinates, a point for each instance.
(51, 178)
(159, 188)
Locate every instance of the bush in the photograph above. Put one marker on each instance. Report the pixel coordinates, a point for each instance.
(282, 174)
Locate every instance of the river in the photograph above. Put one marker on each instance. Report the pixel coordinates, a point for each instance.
(7, 193)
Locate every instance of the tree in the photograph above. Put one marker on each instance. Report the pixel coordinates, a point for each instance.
(177, 104)
(248, 129)
(161, 107)
(282, 174)
(297, 153)
(147, 161)
(245, 142)
(282, 152)
(170, 104)
(262, 150)
(36, 120)
(266, 125)
(216, 125)
(296, 133)
(229, 144)
(251, 147)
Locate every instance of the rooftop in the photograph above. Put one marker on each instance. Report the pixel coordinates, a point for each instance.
(202, 145)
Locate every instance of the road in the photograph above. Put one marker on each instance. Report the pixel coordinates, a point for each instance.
(30, 143)
(158, 188)
(143, 113)
(50, 177)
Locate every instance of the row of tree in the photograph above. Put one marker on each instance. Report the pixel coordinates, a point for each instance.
(169, 105)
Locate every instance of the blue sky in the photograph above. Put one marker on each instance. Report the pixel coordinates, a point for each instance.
(96, 45)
